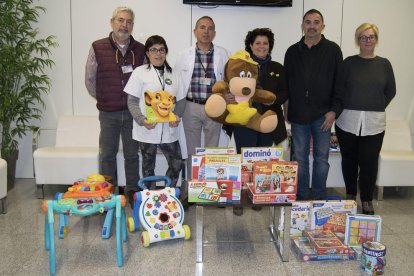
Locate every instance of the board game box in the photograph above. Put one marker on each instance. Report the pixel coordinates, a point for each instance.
(305, 252)
(215, 150)
(275, 177)
(266, 198)
(325, 242)
(254, 154)
(362, 228)
(210, 191)
(299, 218)
(223, 167)
(331, 215)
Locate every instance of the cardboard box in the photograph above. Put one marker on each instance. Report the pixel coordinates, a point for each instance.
(305, 252)
(362, 228)
(210, 191)
(254, 154)
(275, 177)
(325, 242)
(266, 198)
(223, 167)
(299, 218)
(215, 150)
(331, 215)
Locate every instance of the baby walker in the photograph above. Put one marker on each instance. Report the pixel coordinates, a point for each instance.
(160, 213)
(96, 186)
(77, 202)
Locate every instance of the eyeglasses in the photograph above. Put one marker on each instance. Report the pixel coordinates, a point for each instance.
(155, 50)
(365, 38)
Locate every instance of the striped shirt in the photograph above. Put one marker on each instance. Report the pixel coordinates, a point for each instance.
(203, 67)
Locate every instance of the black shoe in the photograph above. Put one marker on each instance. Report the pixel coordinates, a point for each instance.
(130, 198)
(367, 208)
(238, 210)
(121, 190)
(257, 208)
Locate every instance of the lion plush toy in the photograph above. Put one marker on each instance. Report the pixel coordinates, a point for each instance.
(240, 78)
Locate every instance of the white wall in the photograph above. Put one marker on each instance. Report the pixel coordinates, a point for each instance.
(77, 23)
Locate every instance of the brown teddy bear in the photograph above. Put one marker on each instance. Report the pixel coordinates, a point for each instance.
(240, 78)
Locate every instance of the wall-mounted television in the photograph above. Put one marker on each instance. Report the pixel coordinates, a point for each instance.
(267, 3)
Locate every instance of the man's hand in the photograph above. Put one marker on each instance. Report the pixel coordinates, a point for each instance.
(329, 120)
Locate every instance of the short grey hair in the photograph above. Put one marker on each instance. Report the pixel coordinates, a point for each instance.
(123, 9)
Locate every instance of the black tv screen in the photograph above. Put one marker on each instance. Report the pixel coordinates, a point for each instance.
(267, 3)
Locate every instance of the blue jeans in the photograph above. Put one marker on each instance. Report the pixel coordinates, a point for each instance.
(116, 125)
(301, 134)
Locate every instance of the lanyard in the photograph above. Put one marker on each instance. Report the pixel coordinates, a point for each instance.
(202, 66)
(162, 82)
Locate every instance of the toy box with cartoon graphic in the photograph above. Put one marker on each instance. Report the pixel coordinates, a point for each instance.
(266, 198)
(275, 177)
(362, 228)
(254, 154)
(306, 252)
(223, 167)
(325, 242)
(299, 218)
(210, 191)
(215, 150)
(331, 215)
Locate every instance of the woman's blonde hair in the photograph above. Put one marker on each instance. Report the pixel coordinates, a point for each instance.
(362, 28)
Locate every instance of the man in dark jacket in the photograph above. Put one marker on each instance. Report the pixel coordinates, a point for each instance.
(314, 71)
(110, 63)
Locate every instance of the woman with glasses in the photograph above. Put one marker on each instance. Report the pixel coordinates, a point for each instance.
(156, 101)
(370, 87)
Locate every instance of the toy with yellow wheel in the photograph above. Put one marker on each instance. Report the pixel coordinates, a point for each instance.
(160, 213)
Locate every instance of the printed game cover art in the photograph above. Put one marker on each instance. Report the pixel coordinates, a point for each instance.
(269, 198)
(299, 218)
(210, 191)
(254, 154)
(215, 150)
(223, 167)
(306, 252)
(275, 177)
(325, 242)
(362, 228)
(159, 106)
(331, 215)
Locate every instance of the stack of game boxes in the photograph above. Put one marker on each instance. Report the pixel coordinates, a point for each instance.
(216, 176)
(269, 178)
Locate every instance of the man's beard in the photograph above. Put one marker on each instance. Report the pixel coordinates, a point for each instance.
(122, 35)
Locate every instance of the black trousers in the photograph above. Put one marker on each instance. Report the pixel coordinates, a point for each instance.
(360, 162)
(246, 137)
(172, 153)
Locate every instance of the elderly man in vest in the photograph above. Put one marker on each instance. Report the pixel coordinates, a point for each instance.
(110, 63)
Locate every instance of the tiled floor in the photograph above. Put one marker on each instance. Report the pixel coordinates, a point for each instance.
(233, 245)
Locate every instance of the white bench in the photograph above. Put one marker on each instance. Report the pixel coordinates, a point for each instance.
(3, 185)
(396, 161)
(76, 154)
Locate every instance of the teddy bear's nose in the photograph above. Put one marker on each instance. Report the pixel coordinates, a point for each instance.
(246, 91)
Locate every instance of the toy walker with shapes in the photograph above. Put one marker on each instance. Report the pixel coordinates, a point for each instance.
(84, 207)
(160, 213)
(95, 186)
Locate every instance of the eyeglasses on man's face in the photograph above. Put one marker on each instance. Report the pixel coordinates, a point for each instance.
(154, 50)
(364, 38)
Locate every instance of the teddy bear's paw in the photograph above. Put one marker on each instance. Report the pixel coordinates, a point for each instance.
(268, 124)
(215, 106)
